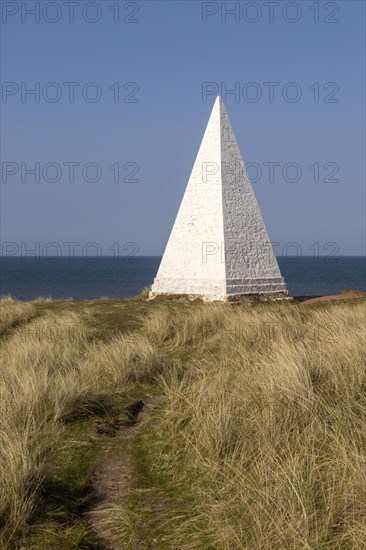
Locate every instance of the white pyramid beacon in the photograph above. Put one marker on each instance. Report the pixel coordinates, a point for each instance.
(219, 247)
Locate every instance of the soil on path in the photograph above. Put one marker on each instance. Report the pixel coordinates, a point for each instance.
(113, 480)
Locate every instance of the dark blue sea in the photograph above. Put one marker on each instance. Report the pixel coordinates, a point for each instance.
(29, 278)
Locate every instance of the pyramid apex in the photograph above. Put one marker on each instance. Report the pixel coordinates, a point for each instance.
(218, 103)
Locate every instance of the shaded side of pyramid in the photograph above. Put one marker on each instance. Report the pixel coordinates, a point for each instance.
(250, 263)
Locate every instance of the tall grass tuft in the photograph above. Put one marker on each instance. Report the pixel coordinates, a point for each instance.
(51, 370)
(38, 386)
(13, 312)
(269, 418)
(120, 363)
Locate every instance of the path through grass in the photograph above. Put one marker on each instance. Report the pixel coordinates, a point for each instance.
(257, 440)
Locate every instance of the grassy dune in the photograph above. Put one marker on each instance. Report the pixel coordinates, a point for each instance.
(13, 312)
(259, 442)
(270, 417)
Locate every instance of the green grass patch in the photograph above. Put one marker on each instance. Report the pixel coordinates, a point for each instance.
(161, 499)
(66, 494)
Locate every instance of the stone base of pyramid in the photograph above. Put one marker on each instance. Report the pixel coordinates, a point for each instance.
(221, 290)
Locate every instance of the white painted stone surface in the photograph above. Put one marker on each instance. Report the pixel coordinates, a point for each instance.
(219, 246)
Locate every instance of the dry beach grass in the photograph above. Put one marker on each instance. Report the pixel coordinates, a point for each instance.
(12, 312)
(259, 442)
(271, 420)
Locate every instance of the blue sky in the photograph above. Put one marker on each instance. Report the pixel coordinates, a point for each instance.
(147, 108)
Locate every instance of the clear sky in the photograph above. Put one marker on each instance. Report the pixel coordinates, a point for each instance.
(137, 99)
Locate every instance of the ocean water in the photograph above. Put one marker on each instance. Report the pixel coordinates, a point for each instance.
(86, 278)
